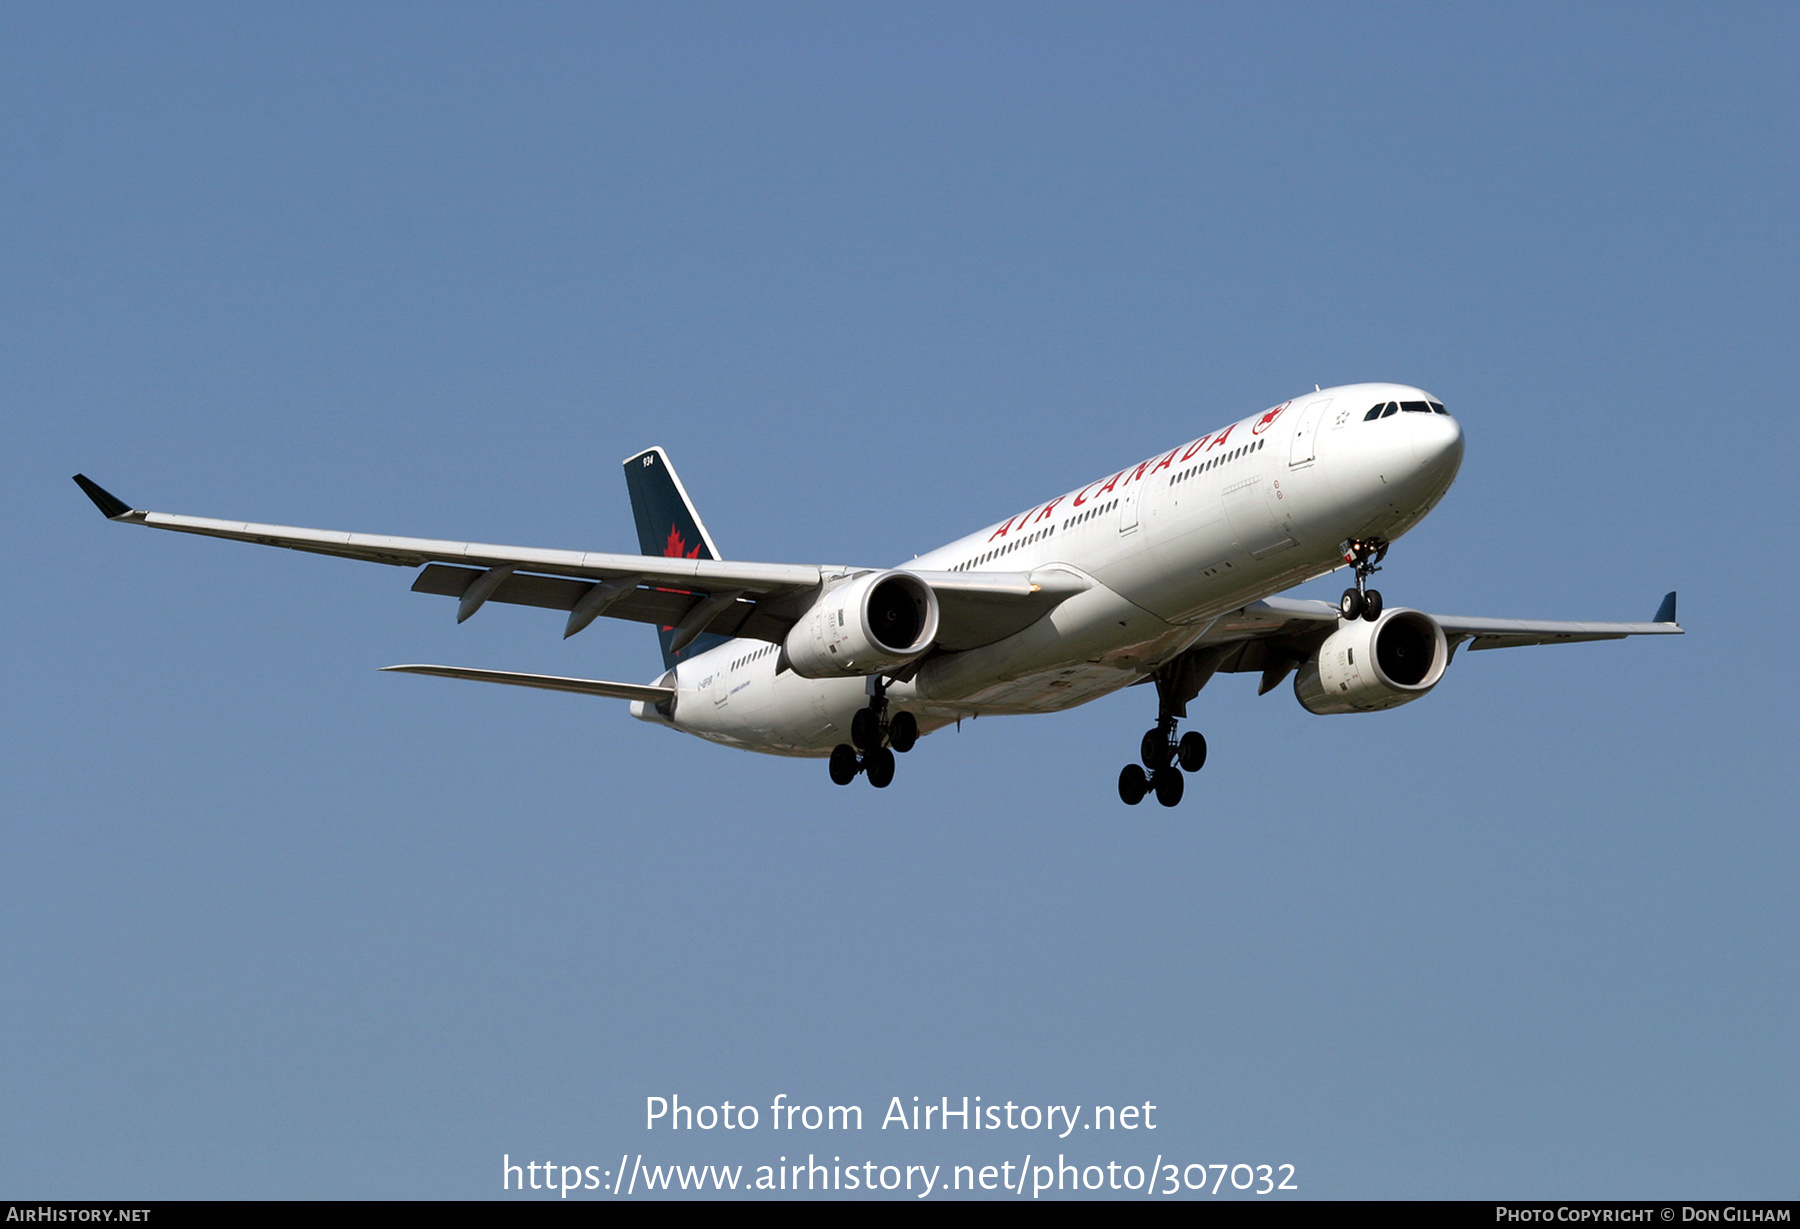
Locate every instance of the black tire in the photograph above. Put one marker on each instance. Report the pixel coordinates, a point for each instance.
(1351, 604)
(1154, 750)
(1168, 786)
(1133, 785)
(1372, 605)
(903, 732)
(863, 730)
(1192, 751)
(879, 764)
(843, 764)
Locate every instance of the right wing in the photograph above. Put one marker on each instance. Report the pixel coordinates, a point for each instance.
(759, 601)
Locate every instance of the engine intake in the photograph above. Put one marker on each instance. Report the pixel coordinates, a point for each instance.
(1365, 667)
(869, 625)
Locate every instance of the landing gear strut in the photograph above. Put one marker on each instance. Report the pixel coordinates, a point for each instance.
(876, 736)
(1365, 555)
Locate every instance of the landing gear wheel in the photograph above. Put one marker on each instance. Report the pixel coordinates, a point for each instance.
(843, 764)
(1365, 555)
(903, 732)
(1134, 783)
(1155, 749)
(865, 730)
(1191, 751)
(879, 764)
(1168, 786)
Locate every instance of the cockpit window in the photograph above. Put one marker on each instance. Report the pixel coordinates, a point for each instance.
(1388, 409)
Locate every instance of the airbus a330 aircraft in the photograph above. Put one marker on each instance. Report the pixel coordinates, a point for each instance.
(1162, 572)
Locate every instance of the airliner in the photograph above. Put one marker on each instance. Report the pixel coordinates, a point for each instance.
(1164, 572)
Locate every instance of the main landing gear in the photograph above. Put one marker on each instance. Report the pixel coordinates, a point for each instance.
(1365, 555)
(876, 736)
(1165, 758)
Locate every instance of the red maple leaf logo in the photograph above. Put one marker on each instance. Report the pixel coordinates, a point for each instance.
(674, 548)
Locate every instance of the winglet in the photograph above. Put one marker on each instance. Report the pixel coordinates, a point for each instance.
(110, 505)
(1665, 613)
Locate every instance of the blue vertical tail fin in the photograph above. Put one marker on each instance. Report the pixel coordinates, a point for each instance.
(670, 528)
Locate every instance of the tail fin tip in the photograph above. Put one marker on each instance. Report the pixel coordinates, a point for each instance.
(667, 521)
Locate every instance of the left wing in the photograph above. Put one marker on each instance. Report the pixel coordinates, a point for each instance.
(1505, 633)
(1277, 634)
(760, 601)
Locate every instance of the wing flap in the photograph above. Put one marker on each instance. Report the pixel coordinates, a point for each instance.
(545, 592)
(662, 607)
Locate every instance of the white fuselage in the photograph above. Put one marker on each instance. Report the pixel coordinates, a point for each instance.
(1170, 545)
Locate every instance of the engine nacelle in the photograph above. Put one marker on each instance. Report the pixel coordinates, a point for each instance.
(1364, 667)
(870, 625)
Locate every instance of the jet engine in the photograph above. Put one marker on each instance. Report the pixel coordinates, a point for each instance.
(1364, 667)
(870, 625)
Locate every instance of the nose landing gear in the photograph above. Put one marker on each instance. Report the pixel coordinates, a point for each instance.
(876, 736)
(1365, 555)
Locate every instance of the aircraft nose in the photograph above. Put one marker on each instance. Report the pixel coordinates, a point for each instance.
(1437, 445)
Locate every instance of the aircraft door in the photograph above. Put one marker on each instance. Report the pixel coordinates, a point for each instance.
(1128, 511)
(1306, 432)
(716, 688)
(1253, 521)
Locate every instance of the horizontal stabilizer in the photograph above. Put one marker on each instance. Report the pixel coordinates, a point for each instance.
(548, 682)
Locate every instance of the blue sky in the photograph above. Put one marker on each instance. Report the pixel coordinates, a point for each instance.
(274, 924)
